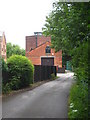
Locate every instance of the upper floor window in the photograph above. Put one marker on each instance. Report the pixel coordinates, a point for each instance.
(48, 49)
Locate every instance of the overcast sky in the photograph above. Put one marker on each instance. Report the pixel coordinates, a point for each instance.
(20, 18)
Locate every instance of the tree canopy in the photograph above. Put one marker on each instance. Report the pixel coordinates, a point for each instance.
(14, 50)
(68, 26)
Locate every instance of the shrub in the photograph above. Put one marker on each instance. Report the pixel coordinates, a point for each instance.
(79, 92)
(78, 102)
(6, 88)
(20, 71)
(53, 76)
(15, 83)
(4, 72)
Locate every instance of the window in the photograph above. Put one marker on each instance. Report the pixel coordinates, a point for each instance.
(48, 49)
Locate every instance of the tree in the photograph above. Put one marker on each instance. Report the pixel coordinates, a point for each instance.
(14, 50)
(68, 27)
(9, 49)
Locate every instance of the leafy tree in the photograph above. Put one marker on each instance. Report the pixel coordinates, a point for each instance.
(9, 49)
(68, 27)
(14, 50)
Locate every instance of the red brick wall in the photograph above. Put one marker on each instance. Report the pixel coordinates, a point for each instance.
(42, 39)
(35, 55)
(31, 41)
(3, 46)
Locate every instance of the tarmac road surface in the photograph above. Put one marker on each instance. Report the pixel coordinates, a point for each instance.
(49, 100)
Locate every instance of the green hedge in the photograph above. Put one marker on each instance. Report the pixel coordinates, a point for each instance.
(4, 72)
(78, 102)
(20, 71)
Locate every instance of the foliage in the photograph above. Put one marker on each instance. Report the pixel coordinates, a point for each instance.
(78, 102)
(79, 92)
(68, 27)
(80, 62)
(14, 83)
(6, 88)
(20, 71)
(53, 76)
(14, 50)
(4, 72)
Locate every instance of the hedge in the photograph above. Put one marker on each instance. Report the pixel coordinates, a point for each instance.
(4, 72)
(20, 71)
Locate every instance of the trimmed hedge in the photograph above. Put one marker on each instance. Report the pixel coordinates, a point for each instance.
(20, 71)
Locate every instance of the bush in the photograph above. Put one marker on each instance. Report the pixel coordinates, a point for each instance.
(4, 72)
(79, 92)
(6, 88)
(78, 102)
(20, 71)
(15, 83)
(53, 76)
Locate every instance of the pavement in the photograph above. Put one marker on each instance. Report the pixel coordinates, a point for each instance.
(49, 100)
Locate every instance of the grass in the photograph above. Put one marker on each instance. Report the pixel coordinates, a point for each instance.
(78, 102)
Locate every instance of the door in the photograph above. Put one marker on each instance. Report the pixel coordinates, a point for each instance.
(47, 61)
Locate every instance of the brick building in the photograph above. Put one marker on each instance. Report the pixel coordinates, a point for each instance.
(38, 50)
(3, 46)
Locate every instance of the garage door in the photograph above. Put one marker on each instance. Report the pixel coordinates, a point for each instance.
(47, 61)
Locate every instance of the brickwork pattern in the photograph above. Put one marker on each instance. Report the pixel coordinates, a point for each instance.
(36, 54)
(3, 46)
(31, 41)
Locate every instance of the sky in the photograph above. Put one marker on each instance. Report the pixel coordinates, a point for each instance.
(20, 18)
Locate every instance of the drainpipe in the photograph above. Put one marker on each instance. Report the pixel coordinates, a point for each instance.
(36, 40)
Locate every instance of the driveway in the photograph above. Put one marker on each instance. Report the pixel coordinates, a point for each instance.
(49, 100)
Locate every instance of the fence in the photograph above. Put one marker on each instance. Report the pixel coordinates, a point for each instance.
(43, 72)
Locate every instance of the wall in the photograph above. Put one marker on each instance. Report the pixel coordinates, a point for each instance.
(3, 46)
(36, 54)
(31, 41)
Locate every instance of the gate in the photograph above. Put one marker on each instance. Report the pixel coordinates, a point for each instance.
(43, 72)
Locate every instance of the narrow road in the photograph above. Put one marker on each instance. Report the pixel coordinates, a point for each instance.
(49, 100)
